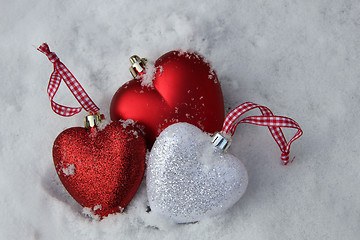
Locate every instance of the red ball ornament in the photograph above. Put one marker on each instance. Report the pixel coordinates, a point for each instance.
(183, 88)
(101, 169)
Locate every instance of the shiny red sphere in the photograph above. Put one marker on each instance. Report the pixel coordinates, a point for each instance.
(185, 89)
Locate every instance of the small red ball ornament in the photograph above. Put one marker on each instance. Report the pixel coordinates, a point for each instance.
(183, 88)
(101, 169)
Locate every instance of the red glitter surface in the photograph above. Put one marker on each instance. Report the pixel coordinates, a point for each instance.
(101, 170)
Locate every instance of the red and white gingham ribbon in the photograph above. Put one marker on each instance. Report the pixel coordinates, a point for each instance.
(274, 123)
(62, 73)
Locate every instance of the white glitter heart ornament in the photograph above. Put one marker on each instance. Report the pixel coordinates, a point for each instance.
(190, 175)
(188, 178)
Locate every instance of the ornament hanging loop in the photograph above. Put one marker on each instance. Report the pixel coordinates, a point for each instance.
(267, 119)
(62, 73)
(44, 48)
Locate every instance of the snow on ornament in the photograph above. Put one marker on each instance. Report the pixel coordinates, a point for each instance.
(188, 179)
(179, 87)
(101, 166)
(190, 175)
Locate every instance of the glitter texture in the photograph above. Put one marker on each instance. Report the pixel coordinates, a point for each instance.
(101, 170)
(188, 178)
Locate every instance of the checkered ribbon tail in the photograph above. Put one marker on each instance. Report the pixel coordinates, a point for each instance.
(274, 123)
(62, 73)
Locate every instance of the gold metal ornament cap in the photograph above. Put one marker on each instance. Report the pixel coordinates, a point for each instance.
(221, 142)
(93, 120)
(137, 65)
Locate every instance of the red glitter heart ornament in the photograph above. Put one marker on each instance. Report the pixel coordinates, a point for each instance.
(101, 169)
(184, 88)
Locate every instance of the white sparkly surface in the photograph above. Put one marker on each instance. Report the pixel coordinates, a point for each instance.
(188, 179)
(299, 58)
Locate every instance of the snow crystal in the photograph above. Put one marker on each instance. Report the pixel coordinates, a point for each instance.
(161, 70)
(90, 213)
(128, 122)
(148, 78)
(70, 170)
(135, 133)
(103, 123)
(97, 207)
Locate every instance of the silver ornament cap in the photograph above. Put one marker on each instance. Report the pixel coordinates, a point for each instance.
(220, 141)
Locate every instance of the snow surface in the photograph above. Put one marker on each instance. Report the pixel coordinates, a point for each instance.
(299, 58)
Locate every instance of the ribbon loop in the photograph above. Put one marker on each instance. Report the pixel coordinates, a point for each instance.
(285, 157)
(274, 124)
(44, 48)
(61, 72)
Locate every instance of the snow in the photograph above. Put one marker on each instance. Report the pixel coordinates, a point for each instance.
(148, 78)
(299, 58)
(70, 170)
(127, 122)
